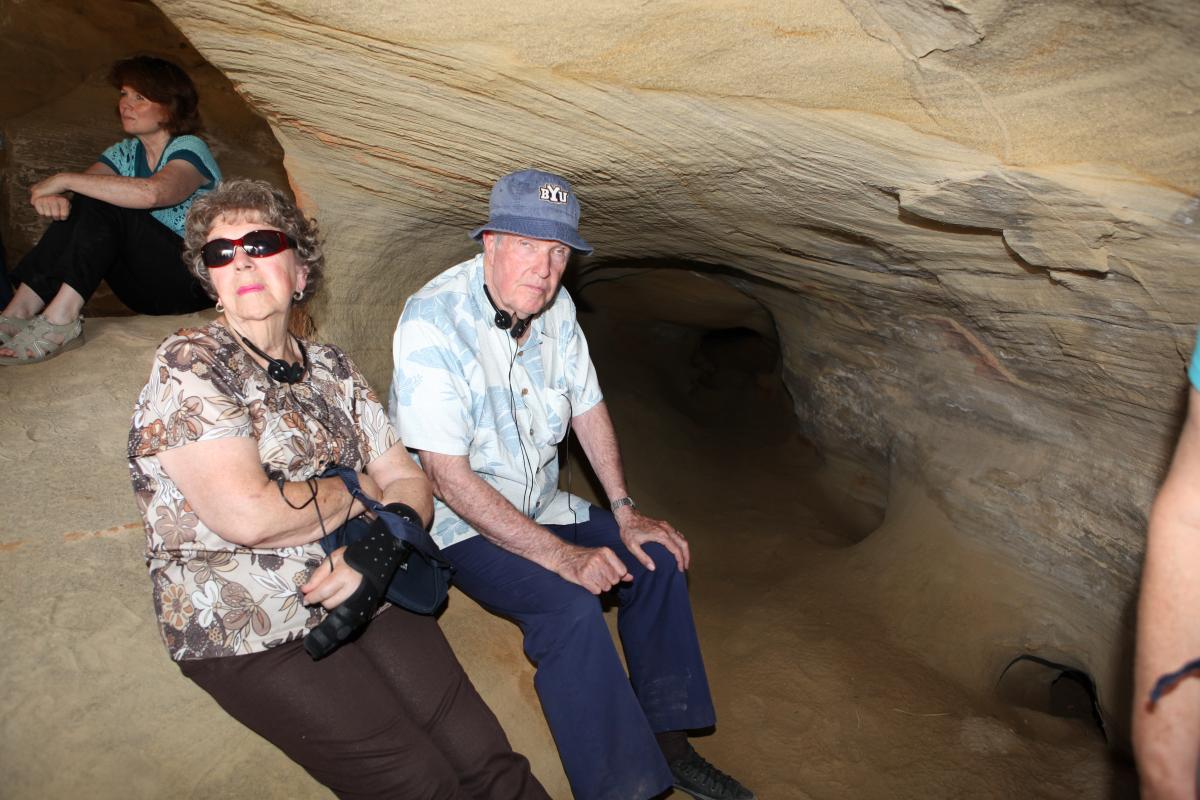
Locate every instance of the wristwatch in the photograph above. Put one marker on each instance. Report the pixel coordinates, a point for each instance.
(620, 502)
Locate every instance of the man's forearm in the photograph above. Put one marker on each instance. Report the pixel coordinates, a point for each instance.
(595, 432)
(599, 439)
(489, 512)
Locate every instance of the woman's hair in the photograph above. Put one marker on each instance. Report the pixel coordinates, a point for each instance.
(166, 84)
(238, 199)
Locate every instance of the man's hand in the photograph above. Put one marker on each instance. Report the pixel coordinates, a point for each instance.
(332, 582)
(596, 569)
(54, 206)
(637, 529)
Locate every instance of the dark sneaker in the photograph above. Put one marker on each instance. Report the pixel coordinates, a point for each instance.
(703, 781)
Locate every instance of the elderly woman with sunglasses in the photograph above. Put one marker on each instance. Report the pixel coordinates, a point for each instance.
(120, 220)
(229, 437)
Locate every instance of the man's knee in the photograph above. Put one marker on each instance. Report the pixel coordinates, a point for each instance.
(662, 557)
(666, 568)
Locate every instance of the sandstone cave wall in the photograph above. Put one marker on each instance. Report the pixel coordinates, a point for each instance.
(973, 222)
(1002, 191)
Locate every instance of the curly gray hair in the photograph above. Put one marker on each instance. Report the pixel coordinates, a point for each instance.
(241, 198)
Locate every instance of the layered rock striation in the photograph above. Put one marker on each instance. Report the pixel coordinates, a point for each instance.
(973, 222)
(973, 225)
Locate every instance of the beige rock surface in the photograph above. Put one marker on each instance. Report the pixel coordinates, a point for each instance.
(970, 226)
(971, 222)
(814, 698)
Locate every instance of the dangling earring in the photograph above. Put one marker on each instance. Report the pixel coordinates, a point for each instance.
(220, 306)
(298, 295)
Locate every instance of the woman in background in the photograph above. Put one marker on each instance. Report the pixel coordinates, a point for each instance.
(123, 224)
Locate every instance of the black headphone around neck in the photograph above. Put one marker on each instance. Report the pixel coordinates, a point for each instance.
(279, 369)
(504, 321)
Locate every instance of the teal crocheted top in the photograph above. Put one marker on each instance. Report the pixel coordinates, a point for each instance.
(128, 158)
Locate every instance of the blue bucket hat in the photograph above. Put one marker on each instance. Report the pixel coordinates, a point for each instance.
(540, 205)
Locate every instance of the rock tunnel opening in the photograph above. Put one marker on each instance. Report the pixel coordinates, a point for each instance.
(695, 370)
(1059, 690)
(685, 343)
(683, 339)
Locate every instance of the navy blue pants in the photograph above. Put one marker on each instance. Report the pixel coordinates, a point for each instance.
(603, 722)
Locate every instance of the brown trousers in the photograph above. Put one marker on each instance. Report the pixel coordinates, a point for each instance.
(390, 715)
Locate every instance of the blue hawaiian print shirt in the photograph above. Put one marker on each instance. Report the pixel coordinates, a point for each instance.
(462, 386)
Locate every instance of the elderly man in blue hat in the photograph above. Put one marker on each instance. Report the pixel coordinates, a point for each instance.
(491, 369)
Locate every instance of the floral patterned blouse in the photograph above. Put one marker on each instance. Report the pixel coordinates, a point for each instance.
(214, 598)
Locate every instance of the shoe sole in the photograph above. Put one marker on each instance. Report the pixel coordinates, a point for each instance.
(700, 795)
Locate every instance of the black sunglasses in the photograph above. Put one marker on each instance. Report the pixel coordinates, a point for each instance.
(256, 244)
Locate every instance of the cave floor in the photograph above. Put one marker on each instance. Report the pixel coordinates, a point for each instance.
(815, 697)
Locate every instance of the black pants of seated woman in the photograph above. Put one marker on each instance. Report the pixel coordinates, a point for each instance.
(134, 252)
(390, 715)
